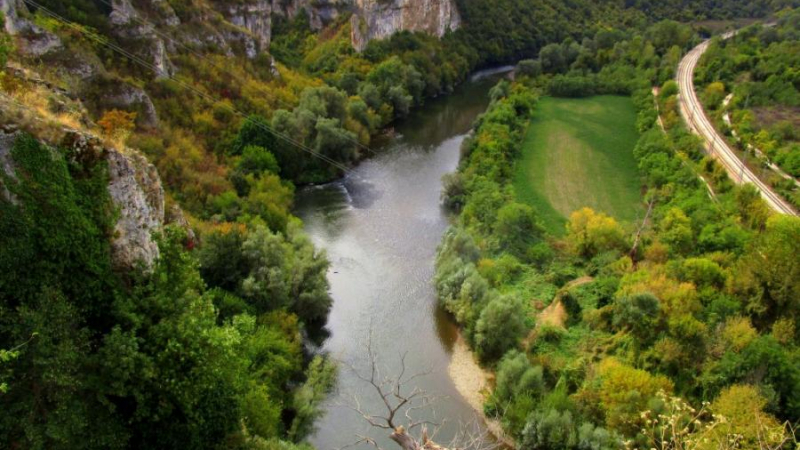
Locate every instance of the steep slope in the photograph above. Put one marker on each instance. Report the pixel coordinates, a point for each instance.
(376, 19)
(133, 184)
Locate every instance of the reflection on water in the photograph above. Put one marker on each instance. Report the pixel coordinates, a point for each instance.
(380, 227)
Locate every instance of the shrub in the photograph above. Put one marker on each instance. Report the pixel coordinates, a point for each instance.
(590, 233)
(117, 124)
(499, 327)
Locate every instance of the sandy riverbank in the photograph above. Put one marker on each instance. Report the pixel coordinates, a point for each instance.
(474, 383)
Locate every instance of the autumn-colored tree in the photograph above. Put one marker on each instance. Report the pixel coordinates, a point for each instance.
(590, 233)
(624, 391)
(738, 333)
(117, 124)
(743, 407)
(714, 93)
(675, 230)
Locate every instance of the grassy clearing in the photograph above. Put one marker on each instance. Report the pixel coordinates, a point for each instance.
(579, 152)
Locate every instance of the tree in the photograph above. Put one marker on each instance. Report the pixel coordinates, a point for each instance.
(320, 379)
(324, 101)
(762, 361)
(743, 408)
(640, 313)
(590, 233)
(517, 228)
(713, 94)
(117, 124)
(285, 273)
(551, 429)
(222, 262)
(334, 141)
(402, 400)
(269, 199)
(752, 207)
(254, 161)
(624, 391)
(529, 68)
(255, 130)
(453, 191)
(199, 406)
(499, 327)
(675, 230)
(516, 377)
(668, 33)
(768, 275)
(552, 59)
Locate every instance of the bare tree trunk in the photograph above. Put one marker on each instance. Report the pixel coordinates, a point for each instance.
(640, 230)
(401, 401)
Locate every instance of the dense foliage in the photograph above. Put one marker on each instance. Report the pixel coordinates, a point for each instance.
(686, 305)
(285, 110)
(205, 349)
(156, 359)
(505, 31)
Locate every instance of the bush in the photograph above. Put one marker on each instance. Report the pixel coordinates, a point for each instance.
(529, 68)
(517, 377)
(499, 327)
(590, 233)
(639, 313)
(548, 430)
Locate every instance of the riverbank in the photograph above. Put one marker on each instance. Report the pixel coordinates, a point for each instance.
(474, 383)
(380, 227)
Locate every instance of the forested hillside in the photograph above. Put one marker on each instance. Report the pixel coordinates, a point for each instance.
(157, 292)
(678, 330)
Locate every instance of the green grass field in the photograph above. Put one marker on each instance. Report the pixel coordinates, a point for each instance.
(579, 152)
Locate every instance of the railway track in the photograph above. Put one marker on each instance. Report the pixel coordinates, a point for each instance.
(697, 121)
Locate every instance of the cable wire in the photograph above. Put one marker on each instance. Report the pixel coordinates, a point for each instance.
(138, 60)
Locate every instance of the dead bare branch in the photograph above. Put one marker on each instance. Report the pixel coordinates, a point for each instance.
(401, 401)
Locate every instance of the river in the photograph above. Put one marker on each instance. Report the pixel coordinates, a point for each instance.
(380, 226)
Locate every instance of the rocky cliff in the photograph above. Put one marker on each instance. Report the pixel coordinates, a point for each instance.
(378, 19)
(134, 185)
(233, 26)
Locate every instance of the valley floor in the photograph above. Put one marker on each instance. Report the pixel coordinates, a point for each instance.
(579, 152)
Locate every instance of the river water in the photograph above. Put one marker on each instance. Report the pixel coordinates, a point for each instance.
(380, 226)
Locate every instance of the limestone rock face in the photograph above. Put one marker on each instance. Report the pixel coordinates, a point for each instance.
(137, 194)
(7, 164)
(320, 12)
(378, 19)
(135, 189)
(128, 97)
(36, 41)
(122, 12)
(252, 15)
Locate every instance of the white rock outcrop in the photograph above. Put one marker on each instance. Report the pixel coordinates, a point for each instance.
(379, 19)
(133, 185)
(136, 191)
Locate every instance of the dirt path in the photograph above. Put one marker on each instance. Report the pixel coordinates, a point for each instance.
(698, 122)
(554, 315)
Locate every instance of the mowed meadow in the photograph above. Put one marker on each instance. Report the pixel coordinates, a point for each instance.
(579, 152)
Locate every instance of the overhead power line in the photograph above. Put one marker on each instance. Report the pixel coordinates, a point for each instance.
(146, 64)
